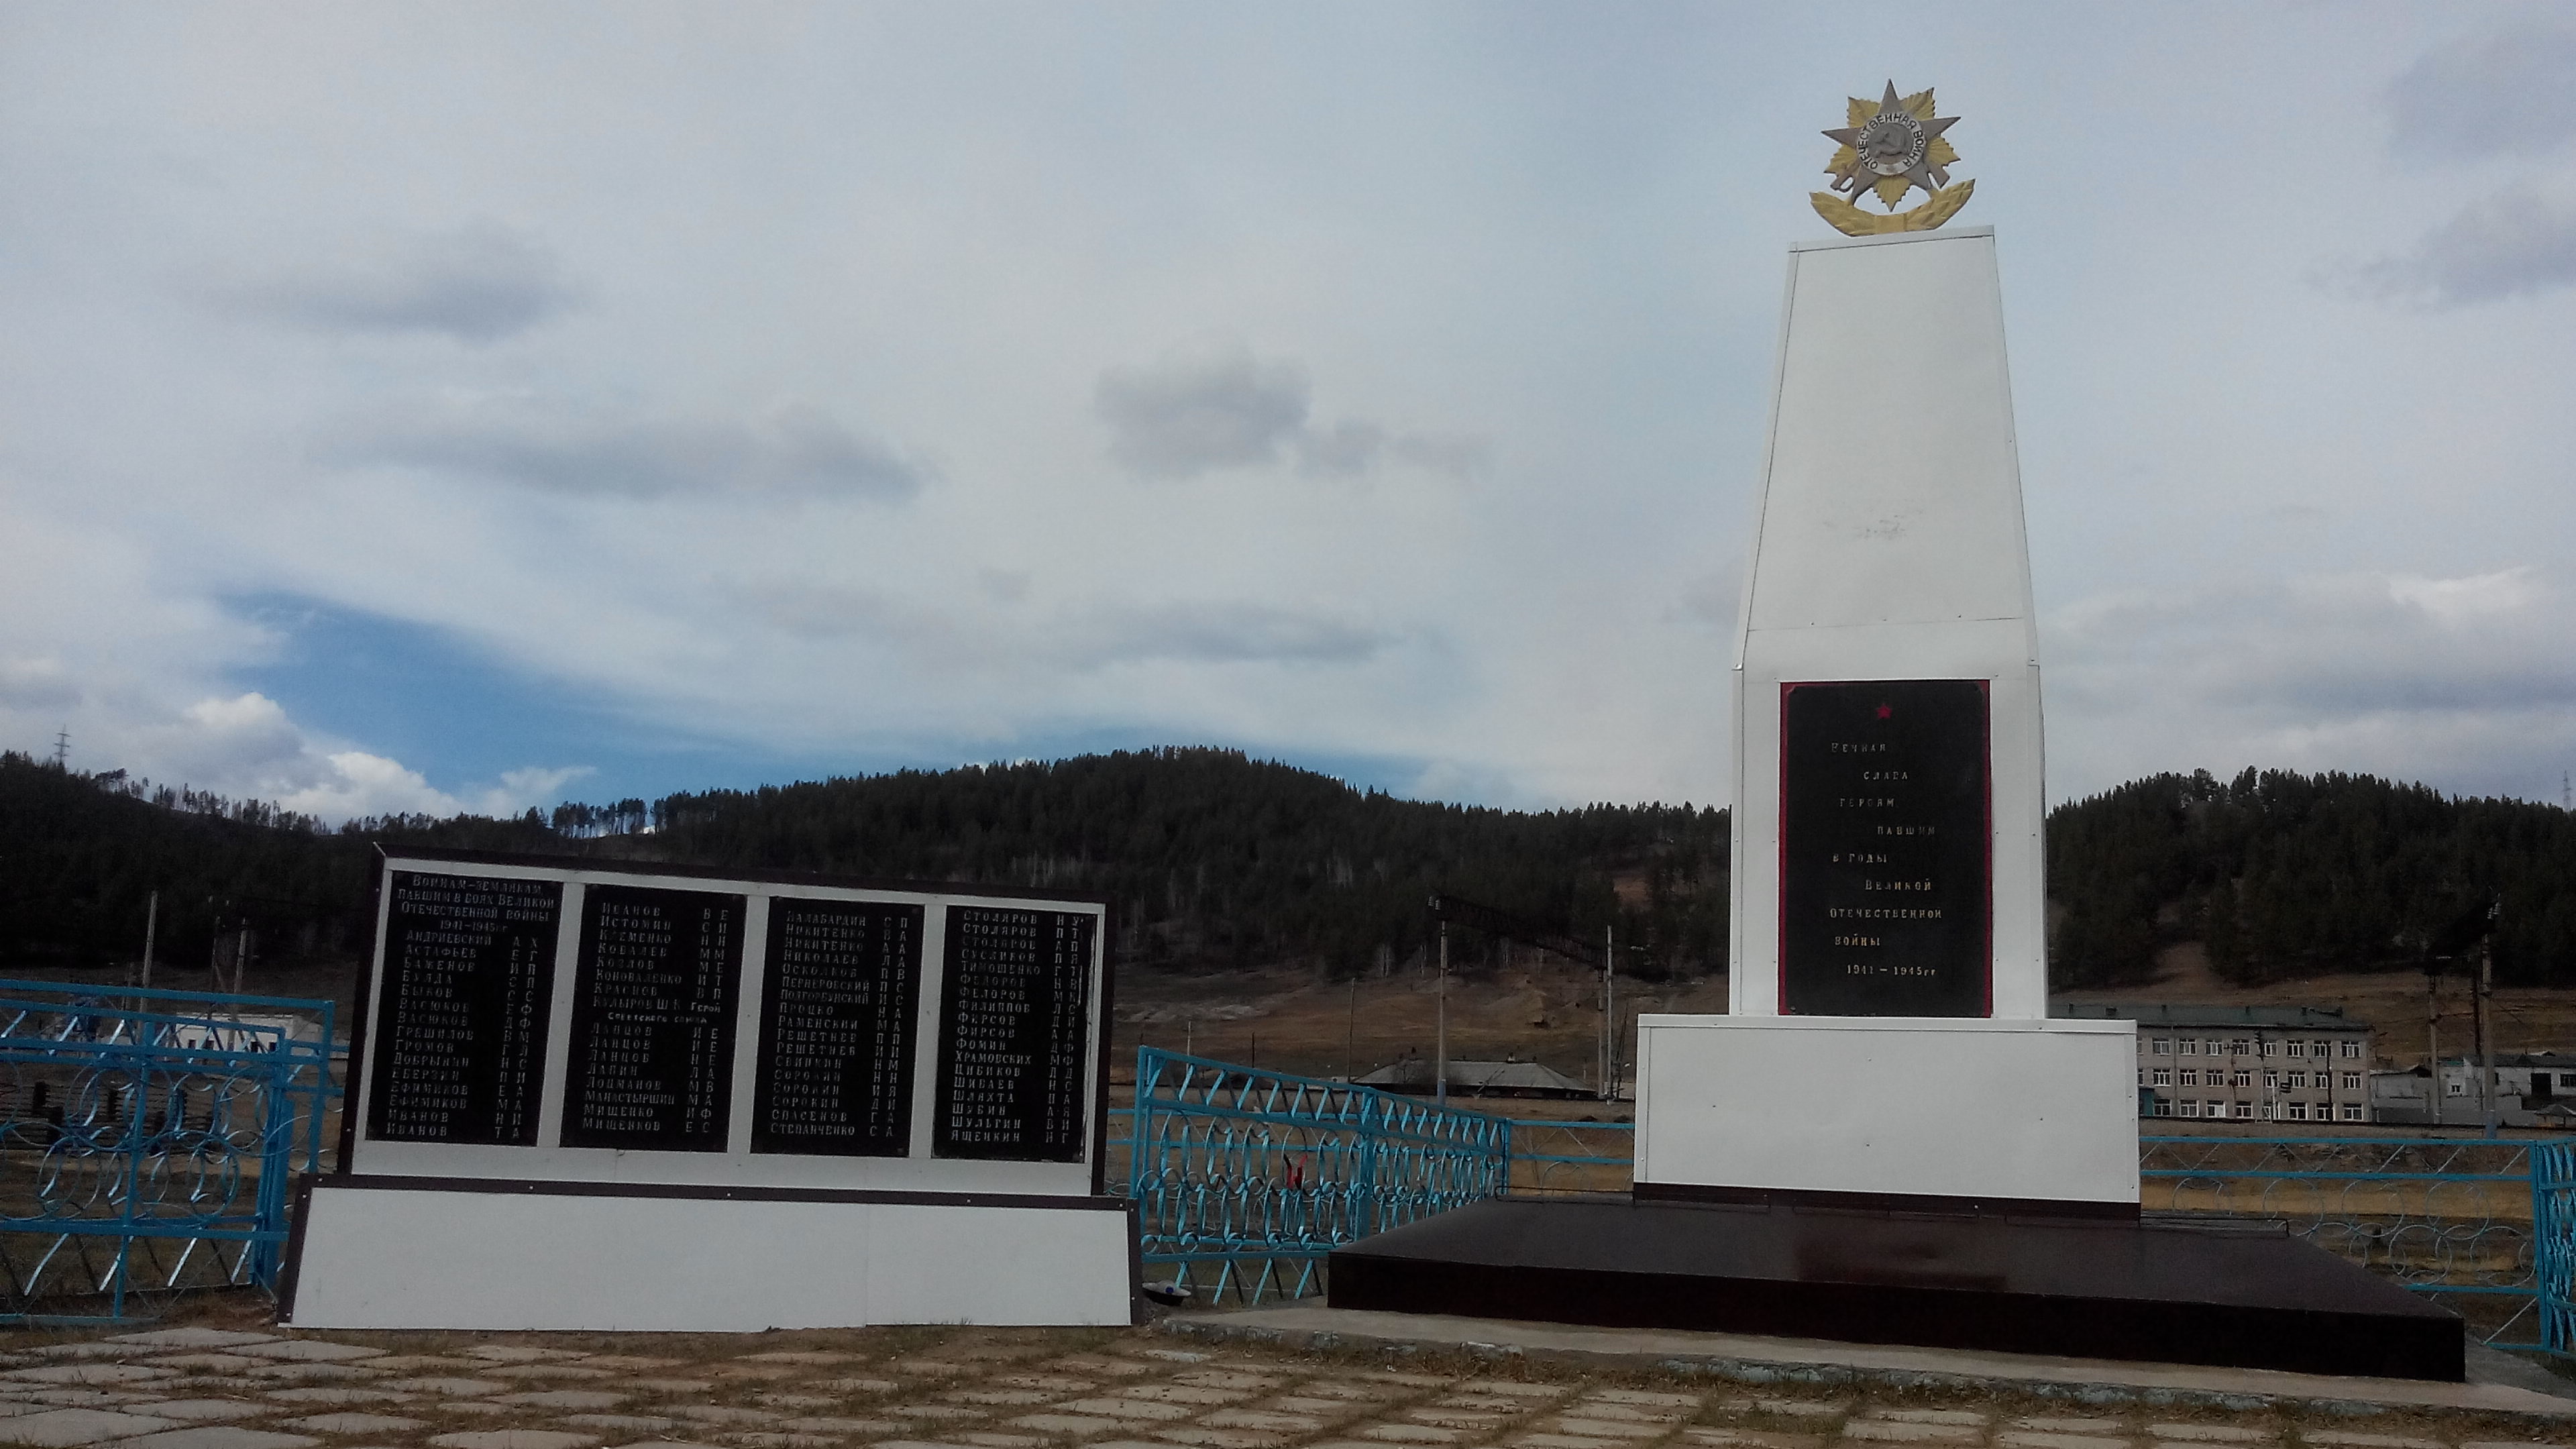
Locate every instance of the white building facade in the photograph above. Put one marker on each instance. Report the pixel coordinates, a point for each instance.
(2247, 1063)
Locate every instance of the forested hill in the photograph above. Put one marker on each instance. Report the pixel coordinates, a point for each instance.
(1216, 860)
(1212, 859)
(2287, 875)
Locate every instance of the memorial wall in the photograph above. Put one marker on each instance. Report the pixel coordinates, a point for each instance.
(544, 1020)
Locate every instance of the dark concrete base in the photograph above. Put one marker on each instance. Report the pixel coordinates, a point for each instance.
(2154, 1290)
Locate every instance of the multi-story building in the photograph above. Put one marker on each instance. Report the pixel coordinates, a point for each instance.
(2247, 1063)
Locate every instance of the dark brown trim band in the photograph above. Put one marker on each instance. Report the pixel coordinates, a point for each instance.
(1885, 1202)
(719, 1192)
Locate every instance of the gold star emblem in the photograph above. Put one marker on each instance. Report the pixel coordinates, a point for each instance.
(1887, 151)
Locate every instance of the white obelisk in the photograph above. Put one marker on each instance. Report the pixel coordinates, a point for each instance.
(1889, 1039)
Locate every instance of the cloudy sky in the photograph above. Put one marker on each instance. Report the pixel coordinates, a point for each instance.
(437, 406)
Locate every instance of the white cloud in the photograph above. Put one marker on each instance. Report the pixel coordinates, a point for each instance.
(1194, 413)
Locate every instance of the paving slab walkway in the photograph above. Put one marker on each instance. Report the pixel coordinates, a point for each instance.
(1254, 1380)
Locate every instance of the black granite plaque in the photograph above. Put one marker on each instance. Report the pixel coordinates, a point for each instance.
(652, 1020)
(1885, 866)
(460, 1036)
(1014, 1035)
(836, 1029)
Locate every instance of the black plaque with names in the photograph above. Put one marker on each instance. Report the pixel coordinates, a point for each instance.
(652, 1020)
(1886, 891)
(1014, 1035)
(460, 1041)
(836, 1028)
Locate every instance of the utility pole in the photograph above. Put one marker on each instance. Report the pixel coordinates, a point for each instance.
(2486, 1035)
(1350, 1034)
(2433, 1036)
(1440, 1065)
(151, 926)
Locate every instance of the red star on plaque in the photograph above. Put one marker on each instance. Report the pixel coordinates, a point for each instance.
(1887, 711)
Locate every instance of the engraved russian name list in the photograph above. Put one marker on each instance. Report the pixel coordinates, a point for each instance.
(1013, 1035)
(836, 1029)
(1885, 889)
(469, 970)
(654, 995)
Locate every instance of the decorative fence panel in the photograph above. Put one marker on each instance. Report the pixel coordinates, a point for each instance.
(2471, 1221)
(148, 1140)
(1246, 1180)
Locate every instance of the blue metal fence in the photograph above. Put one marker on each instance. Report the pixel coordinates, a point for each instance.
(148, 1140)
(1246, 1180)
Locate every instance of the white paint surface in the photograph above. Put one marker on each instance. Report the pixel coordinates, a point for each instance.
(1889, 545)
(392, 1258)
(1944, 1107)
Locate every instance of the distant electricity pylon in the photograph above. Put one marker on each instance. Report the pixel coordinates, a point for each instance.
(62, 749)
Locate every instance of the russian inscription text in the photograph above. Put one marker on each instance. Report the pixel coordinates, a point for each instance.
(652, 1025)
(1014, 1041)
(469, 966)
(1884, 865)
(836, 1029)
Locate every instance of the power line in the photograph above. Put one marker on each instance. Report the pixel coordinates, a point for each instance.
(62, 749)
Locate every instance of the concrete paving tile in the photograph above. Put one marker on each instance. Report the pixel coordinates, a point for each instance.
(2211, 1433)
(1004, 1398)
(208, 1363)
(1934, 1416)
(91, 1374)
(10, 1408)
(669, 1386)
(1221, 1378)
(2348, 1440)
(1802, 1408)
(623, 1423)
(1587, 1427)
(352, 1424)
(1748, 1439)
(1183, 1394)
(1047, 1383)
(424, 1363)
(1898, 1431)
(2053, 1425)
(219, 1436)
(514, 1439)
(984, 1439)
(1594, 1406)
(320, 1373)
(1202, 1436)
(1410, 1434)
(1173, 1355)
(309, 1350)
(1071, 1425)
(335, 1394)
(66, 1398)
(548, 1371)
(61, 1427)
(2042, 1439)
(446, 1387)
(202, 1411)
(1125, 1409)
(826, 1424)
(1267, 1420)
(1454, 1418)
(725, 1414)
(192, 1338)
(1346, 1391)
(584, 1399)
(475, 1408)
(518, 1353)
(1093, 1363)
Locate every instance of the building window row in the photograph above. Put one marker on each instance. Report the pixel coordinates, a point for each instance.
(2192, 1046)
(2244, 1111)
